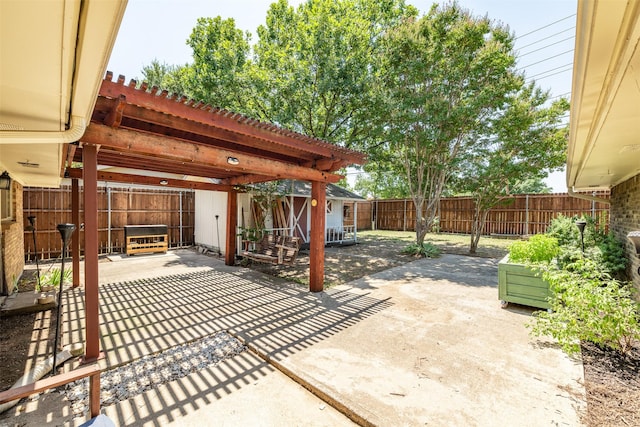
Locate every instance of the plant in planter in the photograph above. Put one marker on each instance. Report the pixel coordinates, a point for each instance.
(517, 281)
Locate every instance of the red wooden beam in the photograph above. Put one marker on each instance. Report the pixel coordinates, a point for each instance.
(49, 383)
(226, 120)
(129, 141)
(75, 237)
(316, 245)
(114, 117)
(232, 221)
(151, 180)
(90, 177)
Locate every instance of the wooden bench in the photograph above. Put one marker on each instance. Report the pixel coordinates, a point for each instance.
(275, 250)
(146, 238)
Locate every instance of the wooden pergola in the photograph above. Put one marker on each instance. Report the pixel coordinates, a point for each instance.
(149, 131)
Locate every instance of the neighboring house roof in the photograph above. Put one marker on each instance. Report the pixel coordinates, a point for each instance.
(604, 149)
(289, 187)
(54, 55)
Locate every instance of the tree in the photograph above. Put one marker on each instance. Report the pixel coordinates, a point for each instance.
(173, 78)
(526, 139)
(313, 66)
(442, 76)
(381, 185)
(532, 185)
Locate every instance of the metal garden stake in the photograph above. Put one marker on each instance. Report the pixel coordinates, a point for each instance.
(218, 232)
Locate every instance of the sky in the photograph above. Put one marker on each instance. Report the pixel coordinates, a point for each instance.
(158, 29)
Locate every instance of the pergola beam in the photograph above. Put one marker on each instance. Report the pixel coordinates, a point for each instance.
(128, 141)
(151, 180)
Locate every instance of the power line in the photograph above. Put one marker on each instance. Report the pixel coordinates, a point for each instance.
(570, 64)
(543, 27)
(559, 72)
(548, 37)
(546, 59)
(546, 46)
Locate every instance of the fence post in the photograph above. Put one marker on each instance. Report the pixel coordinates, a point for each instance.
(180, 201)
(404, 216)
(355, 221)
(108, 219)
(526, 215)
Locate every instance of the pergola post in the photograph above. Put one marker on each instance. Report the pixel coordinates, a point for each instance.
(75, 237)
(90, 178)
(316, 246)
(232, 221)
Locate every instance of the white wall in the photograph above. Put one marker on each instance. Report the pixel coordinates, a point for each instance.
(334, 219)
(208, 205)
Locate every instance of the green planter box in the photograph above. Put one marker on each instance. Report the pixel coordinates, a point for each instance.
(519, 284)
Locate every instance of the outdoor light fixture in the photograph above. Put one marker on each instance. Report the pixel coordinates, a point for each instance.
(5, 181)
(634, 236)
(164, 182)
(581, 224)
(66, 230)
(233, 160)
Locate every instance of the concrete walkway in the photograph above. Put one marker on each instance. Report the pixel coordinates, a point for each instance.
(421, 344)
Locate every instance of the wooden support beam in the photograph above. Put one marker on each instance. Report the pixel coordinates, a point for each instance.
(316, 245)
(90, 178)
(49, 383)
(151, 180)
(246, 179)
(114, 118)
(232, 221)
(75, 237)
(128, 141)
(226, 120)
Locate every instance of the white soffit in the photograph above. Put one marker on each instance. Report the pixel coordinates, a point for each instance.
(604, 146)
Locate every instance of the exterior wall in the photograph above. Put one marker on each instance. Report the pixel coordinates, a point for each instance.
(208, 205)
(334, 219)
(12, 250)
(625, 217)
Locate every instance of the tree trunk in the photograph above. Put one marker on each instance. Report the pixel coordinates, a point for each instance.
(421, 229)
(477, 227)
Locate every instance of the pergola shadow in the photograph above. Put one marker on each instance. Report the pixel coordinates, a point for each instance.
(146, 316)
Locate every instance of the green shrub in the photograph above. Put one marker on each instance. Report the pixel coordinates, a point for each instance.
(588, 305)
(539, 248)
(426, 250)
(52, 277)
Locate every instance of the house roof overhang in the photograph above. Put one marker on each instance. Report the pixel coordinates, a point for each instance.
(54, 55)
(147, 130)
(604, 144)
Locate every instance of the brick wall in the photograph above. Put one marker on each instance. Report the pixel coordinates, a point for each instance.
(625, 217)
(12, 250)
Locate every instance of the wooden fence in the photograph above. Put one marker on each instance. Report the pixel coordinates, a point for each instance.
(521, 215)
(117, 207)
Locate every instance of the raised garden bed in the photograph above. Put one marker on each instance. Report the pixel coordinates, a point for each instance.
(517, 283)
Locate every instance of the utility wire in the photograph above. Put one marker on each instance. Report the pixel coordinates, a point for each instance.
(546, 59)
(546, 46)
(558, 72)
(543, 27)
(548, 37)
(570, 64)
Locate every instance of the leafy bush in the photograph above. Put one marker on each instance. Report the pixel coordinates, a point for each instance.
(587, 304)
(426, 250)
(52, 277)
(539, 248)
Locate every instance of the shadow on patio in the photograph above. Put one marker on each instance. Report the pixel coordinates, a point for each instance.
(146, 316)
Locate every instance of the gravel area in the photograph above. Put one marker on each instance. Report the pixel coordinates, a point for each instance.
(124, 382)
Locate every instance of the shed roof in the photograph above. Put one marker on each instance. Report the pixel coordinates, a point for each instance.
(303, 189)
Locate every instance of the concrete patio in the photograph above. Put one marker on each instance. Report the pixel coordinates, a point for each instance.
(421, 344)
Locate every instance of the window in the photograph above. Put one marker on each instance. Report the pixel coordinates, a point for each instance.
(329, 207)
(6, 211)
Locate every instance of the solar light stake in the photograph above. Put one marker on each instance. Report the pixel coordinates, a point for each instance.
(66, 230)
(32, 221)
(581, 224)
